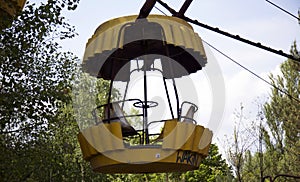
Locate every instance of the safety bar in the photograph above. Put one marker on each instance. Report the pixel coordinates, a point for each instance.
(184, 117)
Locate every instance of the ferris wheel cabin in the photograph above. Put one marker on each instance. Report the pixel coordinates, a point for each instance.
(148, 122)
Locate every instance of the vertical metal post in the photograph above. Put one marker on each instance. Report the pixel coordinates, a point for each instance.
(145, 105)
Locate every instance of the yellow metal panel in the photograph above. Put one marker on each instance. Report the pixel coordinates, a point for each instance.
(188, 145)
(184, 146)
(120, 21)
(116, 140)
(115, 129)
(104, 137)
(178, 136)
(205, 141)
(86, 149)
(100, 138)
(110, 35)
(169, 127)
(168, 134)
(97, 137)
(198, 133)
(186, 135)
(144, 160)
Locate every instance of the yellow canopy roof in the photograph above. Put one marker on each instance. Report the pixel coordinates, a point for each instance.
(120, 40)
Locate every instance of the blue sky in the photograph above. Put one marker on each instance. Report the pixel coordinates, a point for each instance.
(256, 20)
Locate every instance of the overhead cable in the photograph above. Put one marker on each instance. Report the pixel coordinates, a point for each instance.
(160, 11)
(237, 37)
(256, 75)
(283, 10)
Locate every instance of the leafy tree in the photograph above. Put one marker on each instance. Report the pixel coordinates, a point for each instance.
(212, 168)
(279, 133)
(243, 141)
(283, 118)
(34, 74)
(35, 79)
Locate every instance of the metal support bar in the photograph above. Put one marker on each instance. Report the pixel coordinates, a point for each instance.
(125, 94)
(109, 97)
(236, 37)
(168, 97)
(184, 7)
(146, 9)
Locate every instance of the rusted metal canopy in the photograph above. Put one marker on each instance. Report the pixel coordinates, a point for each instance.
(120, 40)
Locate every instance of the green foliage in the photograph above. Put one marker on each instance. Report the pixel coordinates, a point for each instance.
(280, 130)
(239, 145)
(35, 81)
(212, 168)
(283, 117)
(34, 74)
